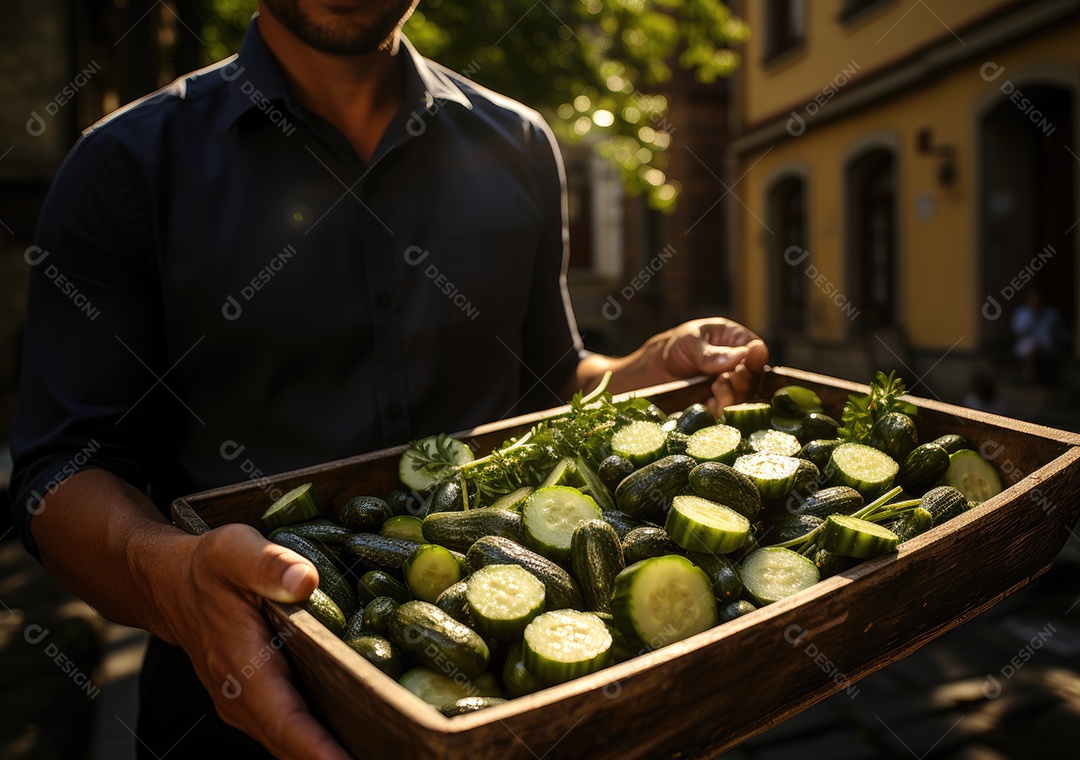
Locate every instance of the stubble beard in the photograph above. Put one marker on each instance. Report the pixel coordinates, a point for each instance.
(344, 36)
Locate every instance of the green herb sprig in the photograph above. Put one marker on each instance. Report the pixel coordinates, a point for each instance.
(861, 412)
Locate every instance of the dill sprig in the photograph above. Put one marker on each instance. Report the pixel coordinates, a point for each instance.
(861, 412)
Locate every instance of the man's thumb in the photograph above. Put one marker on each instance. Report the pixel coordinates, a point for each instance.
(250, 561)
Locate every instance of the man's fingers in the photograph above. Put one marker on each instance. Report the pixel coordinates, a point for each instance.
(295, 733)
(243, 558)
(714, 360)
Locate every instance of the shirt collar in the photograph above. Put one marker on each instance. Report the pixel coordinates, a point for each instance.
(255, 79)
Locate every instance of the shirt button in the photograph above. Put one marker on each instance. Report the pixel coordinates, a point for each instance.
(394, 410)
(385, 299)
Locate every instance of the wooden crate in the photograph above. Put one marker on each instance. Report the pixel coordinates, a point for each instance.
(708, 693)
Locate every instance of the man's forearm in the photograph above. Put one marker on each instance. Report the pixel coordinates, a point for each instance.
(108, 544)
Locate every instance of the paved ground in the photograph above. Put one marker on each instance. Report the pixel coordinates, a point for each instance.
(67, 683)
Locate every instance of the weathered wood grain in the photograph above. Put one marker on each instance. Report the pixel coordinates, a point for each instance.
(708, 693)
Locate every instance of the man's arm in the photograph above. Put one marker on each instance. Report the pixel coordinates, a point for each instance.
(716, 347)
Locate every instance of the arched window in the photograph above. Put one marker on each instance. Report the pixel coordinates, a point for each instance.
(789, 259)
(871, 203)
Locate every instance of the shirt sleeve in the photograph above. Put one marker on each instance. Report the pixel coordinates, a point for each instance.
(93, 347)
(552, 345)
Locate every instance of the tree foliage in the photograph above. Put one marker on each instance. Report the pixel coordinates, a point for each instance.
(595, 68)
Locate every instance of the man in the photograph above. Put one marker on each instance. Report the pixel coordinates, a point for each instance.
(325, 246)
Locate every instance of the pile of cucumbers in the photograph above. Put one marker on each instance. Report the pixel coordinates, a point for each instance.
(685, 522)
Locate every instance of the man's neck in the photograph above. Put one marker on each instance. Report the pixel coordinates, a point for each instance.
(359, 94)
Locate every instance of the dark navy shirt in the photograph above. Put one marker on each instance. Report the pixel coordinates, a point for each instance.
(221, 288)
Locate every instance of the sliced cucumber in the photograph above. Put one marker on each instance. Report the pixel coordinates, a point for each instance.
(972, 475)
(503, 599)
(438, 690)
(716, 443)
(562, 474)
(565, 644)
(430, 570)
(593, 485)
(298, 505)
(662, 600)
(852, 537)
(550, 516)
(774, 442)
(748, 417)
(774, 475)
(864, 468)
(431, 460)
(407, 527)
(775, 573)
(512, 500)
(640, 442)
(700, 525)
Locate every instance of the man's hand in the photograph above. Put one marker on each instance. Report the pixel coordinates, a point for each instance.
(715, 346)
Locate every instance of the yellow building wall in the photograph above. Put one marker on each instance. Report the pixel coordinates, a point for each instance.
(881, 36)
(938, 292)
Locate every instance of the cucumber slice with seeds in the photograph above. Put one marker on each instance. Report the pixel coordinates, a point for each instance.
(430, 570)
(716, 443)
(551, 515)
(701, 525)
(640, 442)
(748, 417)
(864, 468)
(972, 475)
(298, 505)
(407, 527)
(662, 600)
(565, 644)
(853, 537)
(417, 475)
(775, 573)
(503, 599)
(773, 474)
(774, 442)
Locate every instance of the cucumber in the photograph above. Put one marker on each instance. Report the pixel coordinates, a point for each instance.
(795, 401)
(677, 442)
(503, 599)
(808, 479)
(613, 470)
(419, 473)
(723, 575)
(376, 583)
(774, 442)
(447, 497)
(407, 527)
(852, 537)
(296, 506)
(944, 503)
(835, 500)
(433, 638)
(564, 644)
(972, 475)
(380, 552)
(621, 649)
(331, 582)
(562, 591)
(550, 516)
(405, 503)
(458, 530)
(819, 426)
(647, 542)
(322, 608)
(895, 434)
(922, 469)
(694, 418)
(454, 601)
(790, 425)
(725, 485)
(818, 451)
(516, 678)
(716, 443)
(735, 609)
(828, 563)
(952, 442)
(592, 485)
(379, 652)
(775, 573)
(774, 475)
(467, 705)
(596, 557)
(648, 492)
(365, 514)
(377, 613)
(512, 500)
(784, 528)
(430, 570)
(748, 417)
(437, 689)
(864, 468)
(639, 442)
(662, 600)
(564, 473)
(621, 522)
(914, 523)
(320, 532)
(701, 525)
